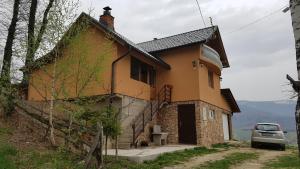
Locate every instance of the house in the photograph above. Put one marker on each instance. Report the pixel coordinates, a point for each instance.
(173, 82)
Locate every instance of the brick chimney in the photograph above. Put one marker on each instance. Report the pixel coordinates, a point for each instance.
(107, 19)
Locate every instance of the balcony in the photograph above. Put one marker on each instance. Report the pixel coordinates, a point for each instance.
(212, 56)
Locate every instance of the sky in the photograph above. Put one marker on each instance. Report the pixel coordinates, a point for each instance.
(257, 36)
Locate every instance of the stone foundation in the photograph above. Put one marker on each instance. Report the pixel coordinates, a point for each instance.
(209, 126)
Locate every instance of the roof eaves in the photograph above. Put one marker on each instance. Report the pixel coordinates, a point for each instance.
(174, 47)
(231, 100)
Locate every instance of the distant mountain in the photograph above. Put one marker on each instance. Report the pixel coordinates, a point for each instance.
(282, 112)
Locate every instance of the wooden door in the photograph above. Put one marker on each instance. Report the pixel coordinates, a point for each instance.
(187, 124)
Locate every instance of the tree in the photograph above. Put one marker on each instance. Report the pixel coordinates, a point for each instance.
(7, 58)
(33, 42)
(295, 13)
(73, 73)
(6, 92)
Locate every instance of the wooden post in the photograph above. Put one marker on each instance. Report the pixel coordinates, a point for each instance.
(133, 134)
(143, 121)
(96, 148)
(117, 142)
(101, 144)
(151, 110)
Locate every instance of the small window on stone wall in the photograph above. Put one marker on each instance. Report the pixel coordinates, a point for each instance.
(212, 114)
(204, 114)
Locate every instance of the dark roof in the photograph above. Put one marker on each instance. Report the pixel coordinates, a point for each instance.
(230, 100)
(209, 35)
(48, 58)
(127, 41)
(196, 36)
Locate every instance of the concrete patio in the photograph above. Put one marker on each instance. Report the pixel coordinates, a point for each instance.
(150, 153)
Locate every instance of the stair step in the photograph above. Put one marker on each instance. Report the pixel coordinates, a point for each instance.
(124, 145)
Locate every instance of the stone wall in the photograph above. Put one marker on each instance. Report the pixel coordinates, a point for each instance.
(209, 126)
(168, 119)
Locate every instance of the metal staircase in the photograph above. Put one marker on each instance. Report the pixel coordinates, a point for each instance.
(139, 123)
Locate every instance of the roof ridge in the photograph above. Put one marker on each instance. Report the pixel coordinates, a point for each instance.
(177, 34)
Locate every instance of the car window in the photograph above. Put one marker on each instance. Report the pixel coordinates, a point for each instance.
(267, 127)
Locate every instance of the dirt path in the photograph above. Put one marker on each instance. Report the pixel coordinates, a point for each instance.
(264, 156)
(196, 161)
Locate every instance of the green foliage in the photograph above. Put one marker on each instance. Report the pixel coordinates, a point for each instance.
(108, 116)
(228, 161)
(291, 161)
(7, 98)
(110, 122)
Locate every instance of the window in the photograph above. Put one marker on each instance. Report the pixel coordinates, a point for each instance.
(204, 114)
(267, 127)
(142, 72)
(212, 114)
(152, 74)
(135, 66)
(210, 79)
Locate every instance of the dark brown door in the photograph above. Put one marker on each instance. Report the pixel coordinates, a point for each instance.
(186, 124)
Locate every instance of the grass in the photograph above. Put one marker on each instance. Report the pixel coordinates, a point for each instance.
(222, 145)
(228, 161)
(164, 160)
(7, 152)
(12, 158)
(291, 161)
(4, 131)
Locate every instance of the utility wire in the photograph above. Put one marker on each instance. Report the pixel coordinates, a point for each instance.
(201, 13)
(256, 21)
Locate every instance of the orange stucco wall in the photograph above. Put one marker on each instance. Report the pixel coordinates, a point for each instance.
(91, 46)
(182, 76)
(191, 83)
(89, 49)
(124, 83)
(207, 93)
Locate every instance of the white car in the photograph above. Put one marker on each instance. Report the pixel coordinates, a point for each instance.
(268, 133)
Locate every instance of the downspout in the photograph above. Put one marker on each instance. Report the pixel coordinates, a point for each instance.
(112, 89)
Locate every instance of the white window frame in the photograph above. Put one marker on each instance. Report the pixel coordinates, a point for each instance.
(204, 113)
(212, 114)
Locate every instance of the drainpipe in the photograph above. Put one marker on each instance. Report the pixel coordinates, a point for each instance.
(112, 89)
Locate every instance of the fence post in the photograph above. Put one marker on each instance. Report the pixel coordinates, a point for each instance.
(133, 134)
(151, 110)
(143, 121)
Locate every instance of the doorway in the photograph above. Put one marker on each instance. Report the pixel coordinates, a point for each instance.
(187, 124)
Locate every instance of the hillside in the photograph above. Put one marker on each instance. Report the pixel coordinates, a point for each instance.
(253, 112)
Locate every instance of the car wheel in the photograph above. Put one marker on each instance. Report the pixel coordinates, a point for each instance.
(253, 144)
(283, 147)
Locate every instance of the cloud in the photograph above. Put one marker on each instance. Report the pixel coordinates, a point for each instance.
(260, 54)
